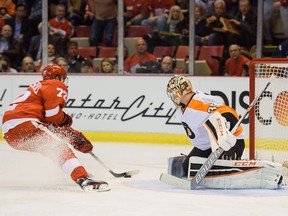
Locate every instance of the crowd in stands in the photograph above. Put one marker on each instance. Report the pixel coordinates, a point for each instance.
(231, 24)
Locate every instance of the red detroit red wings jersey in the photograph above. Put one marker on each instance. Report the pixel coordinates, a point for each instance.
(43, 101)
(196, 114)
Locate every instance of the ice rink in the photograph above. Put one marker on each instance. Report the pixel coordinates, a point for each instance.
(31, 185)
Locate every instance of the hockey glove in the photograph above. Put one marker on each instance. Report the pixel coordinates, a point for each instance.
(67, 121)
(219, 134)
(79, 141)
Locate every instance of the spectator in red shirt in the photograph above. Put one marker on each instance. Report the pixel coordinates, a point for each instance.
(234, 64)
(135, 11)
(141, 56)
(61, 27)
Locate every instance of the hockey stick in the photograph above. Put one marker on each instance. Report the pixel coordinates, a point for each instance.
(204, 169)
(127, 174)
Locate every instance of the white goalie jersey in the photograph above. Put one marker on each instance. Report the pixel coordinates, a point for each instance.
(198, 110)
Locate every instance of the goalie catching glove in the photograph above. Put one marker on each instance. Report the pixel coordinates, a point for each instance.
(73, 137)
(218, 132)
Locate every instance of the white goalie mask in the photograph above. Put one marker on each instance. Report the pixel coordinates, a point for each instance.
(177, 87)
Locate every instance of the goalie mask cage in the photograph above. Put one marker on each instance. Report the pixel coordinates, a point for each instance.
(268, 139)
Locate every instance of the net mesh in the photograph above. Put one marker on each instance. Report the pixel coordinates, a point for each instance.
(271, 112)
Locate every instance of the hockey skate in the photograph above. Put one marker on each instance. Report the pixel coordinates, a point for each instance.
(90, 185)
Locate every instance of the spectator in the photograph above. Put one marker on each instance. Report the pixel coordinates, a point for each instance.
(246, 22)
(86, 67)
(252, 55)
(10, 47)
(60, 27)
(159, 11)
(175, 17)
(202, 32)
(5, 65)
(207, 5)
(234, 64)
(76, 11)
(28, 65)
(270, 6)
(35, 47)
(52, 53)
(21, 25)
(141, 56)
(35, 13)
(7, 9)
(52, 56)
(74, 59)
(217, 36)
(62, 62)
(107, 66)
(167, 65)
(104, 15)
(135, 11)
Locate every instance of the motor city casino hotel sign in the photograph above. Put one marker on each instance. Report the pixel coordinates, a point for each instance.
(129, 103)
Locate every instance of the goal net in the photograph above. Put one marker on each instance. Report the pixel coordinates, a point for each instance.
(269, 119)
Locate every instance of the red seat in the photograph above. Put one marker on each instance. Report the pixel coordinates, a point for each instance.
(88, 52)
(138, 31)
(160, 51)
(107, 52)
(183, 52)
(83, 31)
(213, 56)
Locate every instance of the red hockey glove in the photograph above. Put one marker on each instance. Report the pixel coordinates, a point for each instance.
(79, 141)
(284, 2)
(67, 121)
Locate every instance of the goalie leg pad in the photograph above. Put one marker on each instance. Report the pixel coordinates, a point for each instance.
(175, 166)
(238, 174)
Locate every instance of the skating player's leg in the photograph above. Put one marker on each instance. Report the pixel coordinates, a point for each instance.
(27, 137)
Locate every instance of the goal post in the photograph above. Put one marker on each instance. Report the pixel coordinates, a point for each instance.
(268, 121)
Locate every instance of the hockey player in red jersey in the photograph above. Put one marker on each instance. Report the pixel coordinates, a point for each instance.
(29, 120)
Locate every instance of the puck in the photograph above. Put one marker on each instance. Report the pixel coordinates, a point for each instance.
(127, 176)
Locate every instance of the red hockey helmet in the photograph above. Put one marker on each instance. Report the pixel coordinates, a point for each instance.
(52, 71)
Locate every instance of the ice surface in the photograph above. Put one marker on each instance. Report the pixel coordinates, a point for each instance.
(31, 185)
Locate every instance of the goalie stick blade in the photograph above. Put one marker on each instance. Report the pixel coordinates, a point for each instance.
(175, 181)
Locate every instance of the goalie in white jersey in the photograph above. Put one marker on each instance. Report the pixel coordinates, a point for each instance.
(208, 123)
(195, 108)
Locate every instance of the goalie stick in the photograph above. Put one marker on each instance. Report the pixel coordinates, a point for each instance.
(126, 174)
(204, 169)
